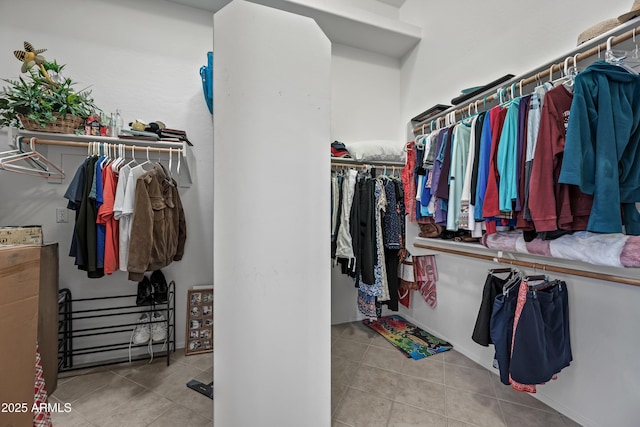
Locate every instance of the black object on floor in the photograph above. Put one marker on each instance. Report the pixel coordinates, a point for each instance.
(202, 388)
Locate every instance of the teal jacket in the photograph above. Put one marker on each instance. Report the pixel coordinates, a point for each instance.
(602, 148)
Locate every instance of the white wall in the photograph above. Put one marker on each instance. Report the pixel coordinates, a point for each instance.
(466, 43)
(144, 58)
(461, 48)
(271, 228)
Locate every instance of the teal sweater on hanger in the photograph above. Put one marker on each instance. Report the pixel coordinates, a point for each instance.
(602, 148)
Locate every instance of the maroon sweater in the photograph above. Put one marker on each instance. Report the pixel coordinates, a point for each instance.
(555, 206)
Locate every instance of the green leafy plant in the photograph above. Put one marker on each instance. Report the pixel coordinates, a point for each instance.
(34, 97)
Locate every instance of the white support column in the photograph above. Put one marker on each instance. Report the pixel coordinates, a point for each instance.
(272, 311)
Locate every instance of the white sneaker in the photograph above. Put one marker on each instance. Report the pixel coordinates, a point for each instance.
(159, 329)
(142, 331)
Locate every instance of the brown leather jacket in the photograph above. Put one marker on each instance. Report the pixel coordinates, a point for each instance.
(158, 227)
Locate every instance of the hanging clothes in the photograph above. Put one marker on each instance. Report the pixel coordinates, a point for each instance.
(555, 206)
(484, 159)
(122, 219)
(460, 143)
(493, 286)
(107, 220)
(507, 159)
(408, 181)
(75, 195)
(126, 212)
(158, 226)
(86, 225)
(344, 245)
(602, 149)
(529, 327)
(97, 197)
(370, 237)
(491, 205)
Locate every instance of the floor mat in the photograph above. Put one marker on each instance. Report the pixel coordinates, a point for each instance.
(413, 341)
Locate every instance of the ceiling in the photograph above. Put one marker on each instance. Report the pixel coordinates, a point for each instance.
(344, 25)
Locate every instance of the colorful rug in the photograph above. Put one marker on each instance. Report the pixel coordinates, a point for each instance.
(413, 341)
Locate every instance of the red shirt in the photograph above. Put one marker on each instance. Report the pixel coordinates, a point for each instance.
(105, 216)
(491, 206)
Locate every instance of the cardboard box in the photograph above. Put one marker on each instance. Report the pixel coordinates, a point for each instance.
(29, 235)
(19, 289)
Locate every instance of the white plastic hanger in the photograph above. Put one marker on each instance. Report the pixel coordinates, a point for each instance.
(619, 58)
(179, 157)
(148, 161)
(133, 160)
(115, 165)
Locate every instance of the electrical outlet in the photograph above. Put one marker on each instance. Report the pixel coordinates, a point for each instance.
(62, 215)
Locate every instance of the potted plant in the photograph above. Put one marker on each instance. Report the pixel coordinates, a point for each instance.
(43, 100)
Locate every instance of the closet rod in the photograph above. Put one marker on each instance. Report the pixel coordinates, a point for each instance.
(341, 161)
(535, 265)
(539, 76)
(86, 145)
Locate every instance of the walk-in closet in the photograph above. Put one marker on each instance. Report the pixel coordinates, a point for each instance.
(363, 228)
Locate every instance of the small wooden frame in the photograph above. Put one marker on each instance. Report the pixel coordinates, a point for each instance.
(199, 335)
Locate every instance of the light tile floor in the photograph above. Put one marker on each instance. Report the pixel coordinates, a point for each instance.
(373, 384)
(137, 395)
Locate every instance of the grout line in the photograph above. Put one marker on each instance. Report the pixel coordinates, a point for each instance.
(161, 414)
(446, 412)
(340, 400)
(532, 407)
(420, 408)
(393, 402)
(465, 422)
(504, 419)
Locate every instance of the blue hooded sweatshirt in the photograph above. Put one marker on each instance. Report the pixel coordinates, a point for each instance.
(602, 148)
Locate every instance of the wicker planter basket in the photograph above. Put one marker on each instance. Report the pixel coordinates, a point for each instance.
(67, 124)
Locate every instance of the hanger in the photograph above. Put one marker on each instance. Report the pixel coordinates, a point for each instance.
(179, 157)
(106, 152)
(513, 280)
(50, 169)
(133, 160)
(20, 154)
(148, 161)
(500, 270)
(5, 155)
(170, 161)
(115, 165)
(619, 58)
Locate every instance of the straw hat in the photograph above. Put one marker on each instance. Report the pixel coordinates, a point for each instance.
(609, 24)
(635, 11)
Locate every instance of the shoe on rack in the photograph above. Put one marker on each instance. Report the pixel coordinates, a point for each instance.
(158, 329)
(160, 288)
(142, 331)
(145, 292)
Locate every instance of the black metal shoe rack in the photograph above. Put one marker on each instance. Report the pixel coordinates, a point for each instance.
(114, 321)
